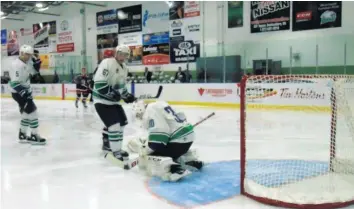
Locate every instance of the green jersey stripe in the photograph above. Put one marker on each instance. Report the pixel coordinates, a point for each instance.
(186, 129)
(161, 138)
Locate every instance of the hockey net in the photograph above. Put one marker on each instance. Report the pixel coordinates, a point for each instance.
(297, 140)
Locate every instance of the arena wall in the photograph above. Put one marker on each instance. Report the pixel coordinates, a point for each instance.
(277, 96)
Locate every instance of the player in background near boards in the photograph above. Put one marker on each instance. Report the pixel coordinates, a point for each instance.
(165, 152)
(82, 89)
(22, 94)
(109, 88)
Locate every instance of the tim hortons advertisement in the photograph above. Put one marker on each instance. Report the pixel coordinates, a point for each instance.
(156, 54)
(65, 37)
(136, 55)
(107, 22)
(270, 16)
(309, 15)
(130, 39)
(176, 30)
(155, 17)
(191, 9)
(185, 51)
(129, 19)
(156, 38)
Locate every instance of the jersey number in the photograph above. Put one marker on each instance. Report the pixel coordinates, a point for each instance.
(17, 74)
(105, 72)
(169, 110)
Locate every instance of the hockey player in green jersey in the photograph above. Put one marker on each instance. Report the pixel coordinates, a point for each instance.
(165, 151)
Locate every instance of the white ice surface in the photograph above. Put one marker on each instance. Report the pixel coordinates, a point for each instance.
(70, 172)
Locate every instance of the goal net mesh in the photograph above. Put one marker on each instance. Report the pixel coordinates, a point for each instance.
(297, 140)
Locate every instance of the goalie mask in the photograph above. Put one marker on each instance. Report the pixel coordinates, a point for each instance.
(139, 109)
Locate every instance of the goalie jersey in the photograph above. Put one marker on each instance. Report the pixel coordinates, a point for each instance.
(20, 75)
(110, 74)
(166, 125)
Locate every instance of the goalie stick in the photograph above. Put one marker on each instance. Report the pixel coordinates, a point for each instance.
(132, 163)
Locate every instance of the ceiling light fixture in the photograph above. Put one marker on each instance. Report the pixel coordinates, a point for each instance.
(43, 9)
(2, 13)
(39, 5)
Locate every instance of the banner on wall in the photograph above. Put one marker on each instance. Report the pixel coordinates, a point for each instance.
(234, 14)
(3, 37)
(65, 41)
(129, 19)
(155, 17)
(176, 10)
(103, 53)
(109, 40)
(45, 58)
(26, 36)
(107, 22)
(192, 30)
(176, 30)
(156, 54)
(156, 38)
(191, 9)
(13, 47)
(316, 15)
(130, 39)
(45, 36)
(136, 55)
(269, 16)
(184, 51)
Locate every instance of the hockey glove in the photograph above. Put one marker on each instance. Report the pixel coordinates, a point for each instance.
(129, 98)
(114, 95)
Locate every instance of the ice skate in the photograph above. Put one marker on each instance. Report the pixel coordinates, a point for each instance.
(176, 173)
(194, 165)
(22, 137)
(35, 139)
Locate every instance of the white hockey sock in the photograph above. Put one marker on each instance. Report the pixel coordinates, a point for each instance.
(33, 122)
(24, 125)
(115, 140)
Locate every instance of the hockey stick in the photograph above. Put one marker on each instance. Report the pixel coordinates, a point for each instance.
(134, 162)
(159, 91)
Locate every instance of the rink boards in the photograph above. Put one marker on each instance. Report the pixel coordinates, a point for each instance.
(299, 96)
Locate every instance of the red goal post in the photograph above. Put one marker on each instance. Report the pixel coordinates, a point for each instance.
(316, 170)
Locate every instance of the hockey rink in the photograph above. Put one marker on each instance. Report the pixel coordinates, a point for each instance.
(70, 172)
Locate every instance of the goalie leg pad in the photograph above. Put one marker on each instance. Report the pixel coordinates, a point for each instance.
(165, 168)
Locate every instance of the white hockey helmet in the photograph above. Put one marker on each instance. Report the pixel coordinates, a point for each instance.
(27, 49)
(123, 50)
(139, 108)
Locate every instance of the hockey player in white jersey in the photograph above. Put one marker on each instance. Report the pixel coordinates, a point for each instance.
(165, 151)
(109, 88)
(20, 87)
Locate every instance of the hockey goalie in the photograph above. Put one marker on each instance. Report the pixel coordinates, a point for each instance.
(164, 148)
